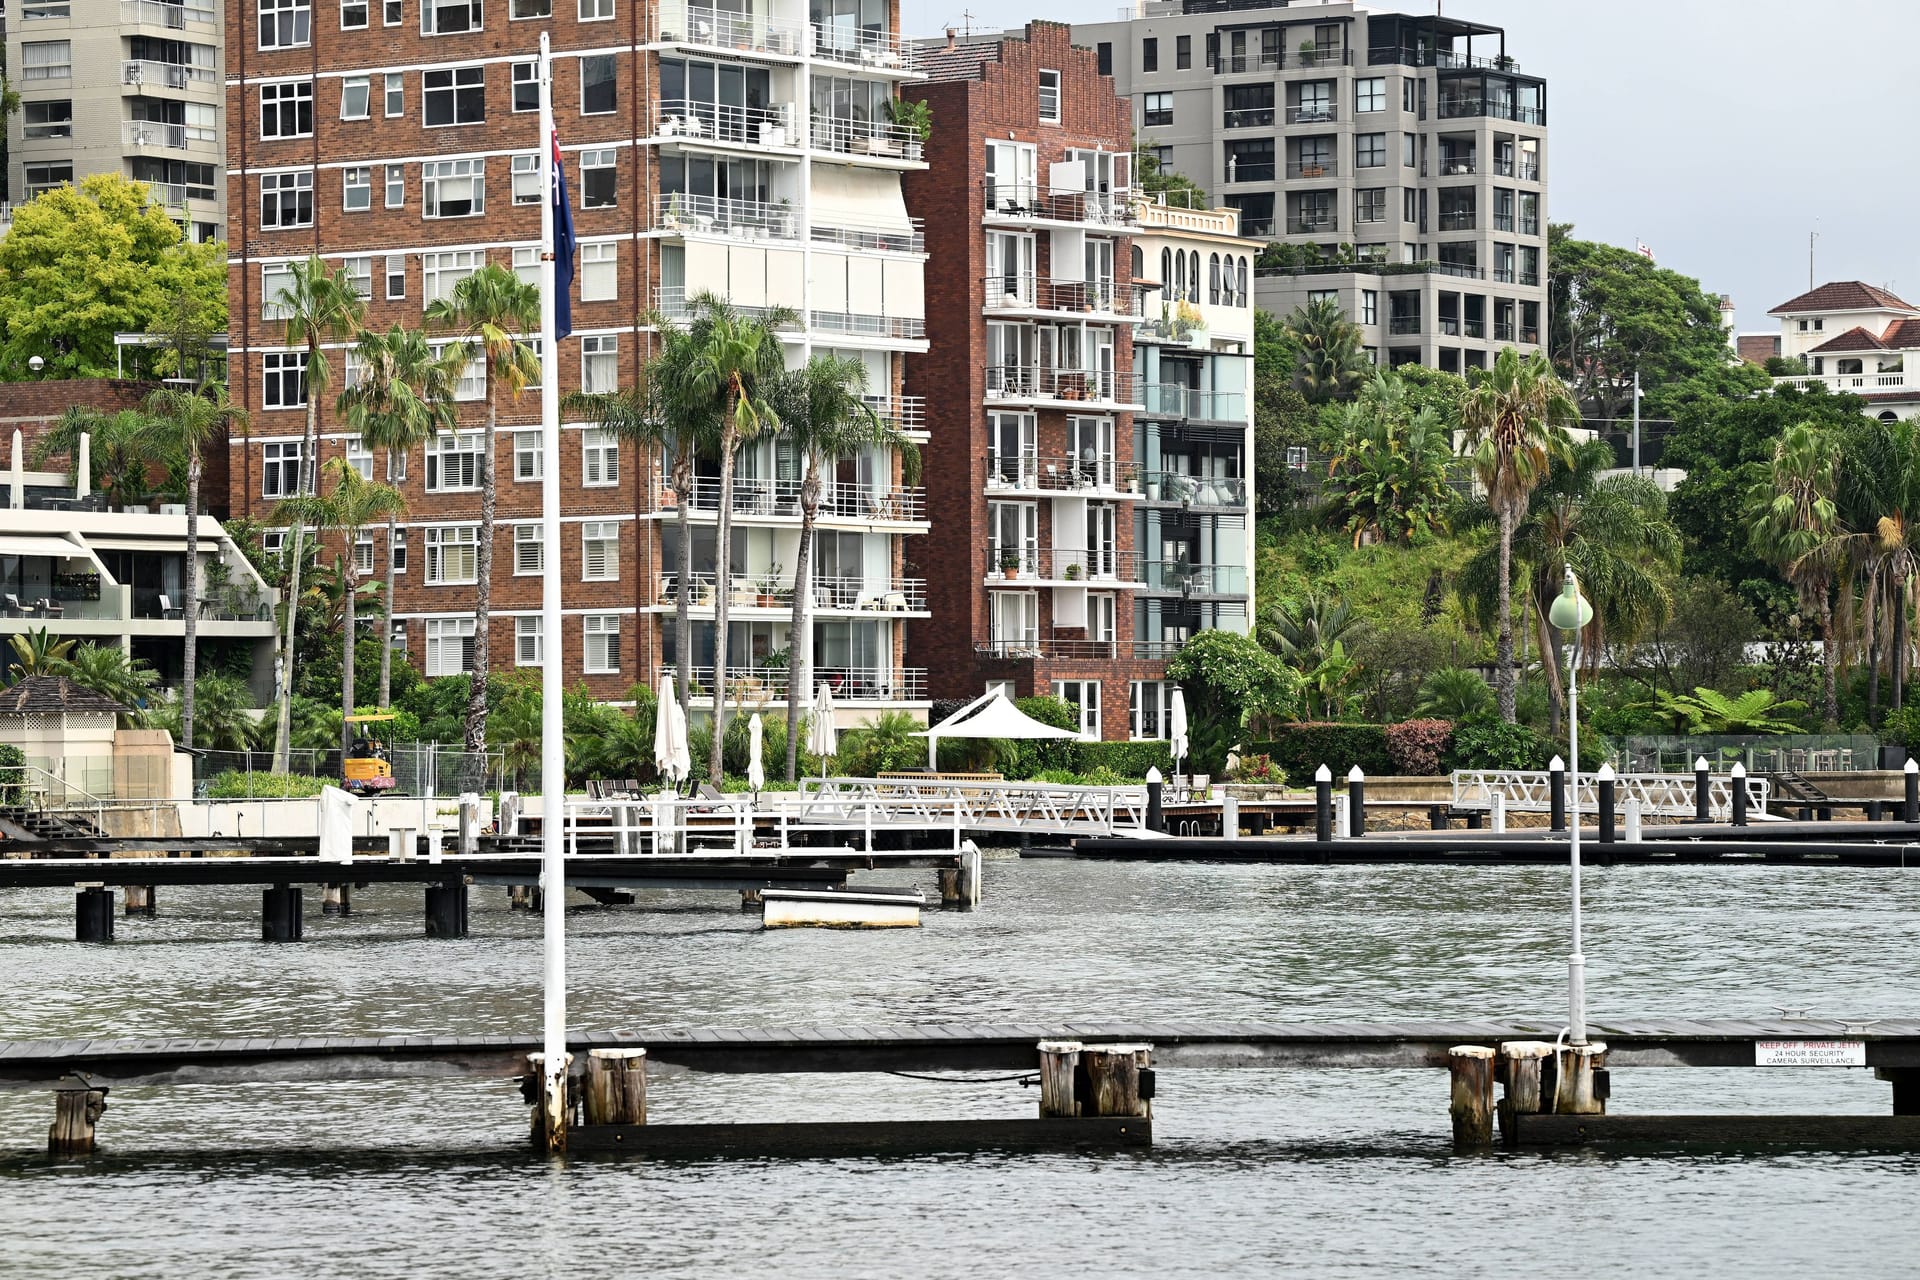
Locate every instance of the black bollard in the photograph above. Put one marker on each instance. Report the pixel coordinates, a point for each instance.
(1911, 811)
(1323, 804)
(447, 910)
(280, 913)
(1356, 802)
(1474, 822)
(1156, 816)
(1739, 791)
(1557, 794)
(1702, 784)
(93, 915)
(1606, 786)
(1437, 817)
(1876, 811)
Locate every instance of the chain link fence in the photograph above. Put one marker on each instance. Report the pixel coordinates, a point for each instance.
(431, 769)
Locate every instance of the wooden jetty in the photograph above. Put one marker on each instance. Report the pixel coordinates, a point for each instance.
(1759, 846)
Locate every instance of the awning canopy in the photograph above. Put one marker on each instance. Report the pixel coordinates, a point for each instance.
(163, 543)
(27, 545)
(990, 716)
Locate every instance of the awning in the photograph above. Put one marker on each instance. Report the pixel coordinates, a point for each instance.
(990, 716)
(207, 544)
(23, 545)
(865, 199)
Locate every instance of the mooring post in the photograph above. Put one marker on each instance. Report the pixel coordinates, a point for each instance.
(1356, 802)
(520, 897)
(1906, 1088)
(138, 900)
(447, 909)
(1557, 794)
(93, 914)
(544, 1120)
(1156, 816)
(469, 837)
(1519, 1068)
(1910, 812)
(280, 913)
(1323, 804)
(1437, 817)
(1119, 1081)
(1229, 815)
(949, 886)
(1580, 1080)
(336, 899)
(1474, 821)
(1470, 1067)
(76, 1110)
(1633, 819)
(1497, 811)
(1702, 784)
(1604, 784)
(1876, 811)
(1738, 777)
(1059, 1066)
(616, 1086)
(969, 877)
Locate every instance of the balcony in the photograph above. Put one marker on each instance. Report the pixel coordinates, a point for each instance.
(1314, 113)
(1466, 220)
(1240, 64)
(712, 124)
(756, 498)
(159, 135)
(1445, 59)
(879, 141)
(831, 594)
(753, 684)
(1173, 400)
(1503, 275)
(147, 75)
(1190, 579)
(1098, 298)
(902, 413)
(174, 195)
(174, 17)
(1053, 474)
(686, 214)
(714, 28)
(674, 304)
(1312, 223)
(1855, 383)
(1061, 566)
(1032, 384)
(1029, 202)
(1225, 492)
(1529, 226)
(860, 324)
(1462, 108)
(1080, 650)
(1458, 166)
(871, 49)
(1247, 118)
(1321, 56)
(1327, 168)
(847, 231)
(1404, 326)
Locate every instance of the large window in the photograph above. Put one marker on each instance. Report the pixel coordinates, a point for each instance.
(453, 188)
(453, 554)
(1156, 109)
(280, 477)
(356, 94)
(1084, 697)
(52, 119)
(449, 646)
(449, 17)
(599, 271)
(353, 15)
(599, 94)
(46, 60)
(360, 456)
(599, 186)
(1249, 106)
(599, 551)
(1370, 205)
(599, 363)
(356, 182)
(1049, 97)
(1370, 95)
(440, 272)
(529, 547)
(600, 457)
(1370, 151)
(602, 643)
(528, 456)
(454, 459)
(284, 24)
(45, 177)
(1016, 621)
(1150, 54)
(275, 278)
(457, 95)
(286, 109)
(1250, 160)
(1150, 709)
(283, 380)
(526, 179)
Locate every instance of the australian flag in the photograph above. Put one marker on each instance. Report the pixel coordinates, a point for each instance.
(563, 247)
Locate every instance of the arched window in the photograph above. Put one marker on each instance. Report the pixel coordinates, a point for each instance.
(1166, 269)
(1246, 299)
(1138, 263)
(1213, 279)
(1193, 276)
(1889, 417)
(1179, 276)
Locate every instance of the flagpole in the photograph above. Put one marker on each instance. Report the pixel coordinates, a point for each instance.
(553, 762)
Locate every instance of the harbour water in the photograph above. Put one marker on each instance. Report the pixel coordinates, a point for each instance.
(1253, 1172)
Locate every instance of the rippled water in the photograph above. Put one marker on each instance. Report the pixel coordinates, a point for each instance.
(1253, 1172)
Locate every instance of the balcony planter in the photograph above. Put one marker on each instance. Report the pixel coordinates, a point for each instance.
(1010, 564)
(1313, 171)
(1072, 573)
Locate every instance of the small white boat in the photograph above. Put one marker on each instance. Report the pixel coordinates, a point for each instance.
(841, 908)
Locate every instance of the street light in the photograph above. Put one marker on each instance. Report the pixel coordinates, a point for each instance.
(1571, 613)
(36, 363)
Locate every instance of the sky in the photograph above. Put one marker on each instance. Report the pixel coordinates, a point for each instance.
(1717, 132)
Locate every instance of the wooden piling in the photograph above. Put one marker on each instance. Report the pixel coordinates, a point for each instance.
(336, 899)
(1059, 1067)
(949, 886)
(138, 900)
(520, 897)
(93, 914)
(616, 1086)
(280, 913)
(1470, 1067)
(1580, 1082)
(543, 1140)
(1519, 1068)
(1113, 1075)
(76, 1110)
(447, 909)
(750, 900)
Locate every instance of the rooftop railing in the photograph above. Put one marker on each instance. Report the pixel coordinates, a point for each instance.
(679, 23)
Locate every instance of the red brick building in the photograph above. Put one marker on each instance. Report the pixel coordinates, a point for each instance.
(1031, 564)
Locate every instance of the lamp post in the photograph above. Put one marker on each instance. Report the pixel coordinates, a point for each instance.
(1571, 613)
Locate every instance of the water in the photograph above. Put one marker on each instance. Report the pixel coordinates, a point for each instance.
(1253, 1172)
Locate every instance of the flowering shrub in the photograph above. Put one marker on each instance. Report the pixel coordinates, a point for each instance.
(1417, 746)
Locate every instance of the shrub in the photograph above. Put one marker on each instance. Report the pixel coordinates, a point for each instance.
(1300, 749)
(1901, 727)
(1229, 682)
(238, 784)
(13, 774)
(1259, 768)
(1418, 746)
(1493, 744)
(1126, 760)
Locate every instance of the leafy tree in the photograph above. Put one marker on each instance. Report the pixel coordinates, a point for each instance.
(1879, 503)
(1389, 470)
(1282, 418)
(1514, 420)
(495, 312)
(1793, 522)
(1230, 683)
(1454, 693)
(1757, 711)
(121, 457)
(1704, 638)
(37, 653)
(80, 264)
(1177, 189)
(110, 672)
(1331, 363)
(223, 719)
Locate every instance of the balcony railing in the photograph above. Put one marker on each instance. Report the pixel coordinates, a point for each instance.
(1239, 64)
(1070, 386)
(1036, 293)
(1858, 382)
(879, 139)
(1446, 59)
(1459, 221)
(173, 137)
(1027, 200)
(1314, 113)
(865, 48)
(1503, 331)
(1312, 169)
(1194, 491)
(1527, 171)
(781, 498)
(1321, 56)
(751, 684)
(767, 590)
(722, 29)
(1530, 277)
(1529, 226)
(148, 74)
(903, 413)
(1194, 579)
(1457, 166)
(675, 304)
(720, 215)
(770, 128)
(860, 324)
(174, 195)
(1098, 566)
(1491, 108)
(840, 229)
(1247, 117)
(1503, 275)
(1058, 473)
(1403, 325)
(175, 17)
(1090, 650)
(1172, 400)
(1312, 223)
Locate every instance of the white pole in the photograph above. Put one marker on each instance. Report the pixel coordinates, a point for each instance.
(553, 761)
(1577, 962)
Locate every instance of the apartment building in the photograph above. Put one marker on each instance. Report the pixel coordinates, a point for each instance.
(1402, 157)
(1032, 566)
(748, 150)
(120, 86)
(1854, 338)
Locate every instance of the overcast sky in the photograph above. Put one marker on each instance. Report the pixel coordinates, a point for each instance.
(1719, 132)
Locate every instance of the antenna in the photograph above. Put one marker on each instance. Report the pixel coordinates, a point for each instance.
(966, 23)
(1811, 237)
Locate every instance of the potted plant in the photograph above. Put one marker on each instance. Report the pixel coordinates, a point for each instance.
(1306, 53)
(1072, 573)
(915, 120)
(1010, 564)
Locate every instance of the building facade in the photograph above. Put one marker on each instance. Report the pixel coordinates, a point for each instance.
(1855, 338)
(1401, 159)
(749, 151)
(131, 87)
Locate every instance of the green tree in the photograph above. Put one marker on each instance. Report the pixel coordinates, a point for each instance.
(1878, 500)
(1794, 523)
(1390, 465)
(223, 719)
(514, 730)
(1514, 421)
(1757, 711)
(80, 264)
(495, 312)
(1230, 683)
(822, 409)
(1330, 362)
(1454, 693)
(1282, 418)
(36, 653)
(110, 672)
(121, 454)
(1164, 184)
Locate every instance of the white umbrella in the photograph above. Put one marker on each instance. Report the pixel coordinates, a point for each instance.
(663, 729)
(682, 759)
(1178, 725)
(756, 752)
(822, 739)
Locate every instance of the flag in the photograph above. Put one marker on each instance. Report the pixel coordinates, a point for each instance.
(563, 247)
(1644, 250)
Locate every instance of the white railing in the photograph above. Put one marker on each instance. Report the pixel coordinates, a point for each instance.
(905, 413)
(1021, 201)
(156, 133)
(148, 74)
(1016, 292)
(754, 496)
(976, 806)
(160, 14)
(721, 29)
(1059, 473)
(675, 305)
(861, 324)
(1663, 794)
(723, 216)
(1037, 382)
(832, 592)
(1871, 382)
(873, 237)
(758, 127)
(879, 139)
(754, 685)
(865, 47)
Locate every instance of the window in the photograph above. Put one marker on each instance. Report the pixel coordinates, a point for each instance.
(353, 15)
(454, 459)
(1323, 295)
(286, 109)
(1213, 280)
(599, 551)
(454, 96)
(1182, 53)
(396, 274)
(449, 645)
(598, 95)
(359, 274)
(601, 460)
(1084, 697)
(472, 382)
(1369, 306)
(363, 551)
(1370, 95)
(357, 186)
(1410, 206)
(453, 554)
(449, 17)
(1251, 160)
(1050, 97)
(528, 546)
(281, 478)
(273, 541)
(453, 188)
(48, 119)
(527, 456)
(1103, 53)
(286, 200)
(35, 10)
(399, 550)
(599, 271)
(1249, 106)
(440, 272)
(1370, 205)
(600, 363)
(526, 265)
(596, 10)
(1370, 151)
(526, 179)
(599, 179)
(1156, 108)
(396, 94)
(391, 15)
(396, 186)
(284, 24)
(1150, 54)
(1409, 150)
(46, 60)
(602, 643)
(354, 94)
(1150, 709)
(526, 86)
(532, 8)
(1016, 621)
(278, 276)
(526, 641)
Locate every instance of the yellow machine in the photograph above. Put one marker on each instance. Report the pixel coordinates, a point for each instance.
(366, 770)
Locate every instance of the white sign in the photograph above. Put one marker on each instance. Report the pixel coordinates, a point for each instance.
(1810, 1053)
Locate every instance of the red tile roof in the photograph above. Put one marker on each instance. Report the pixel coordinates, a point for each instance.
(1843, 295)
(1901, 335)
(1854, 339)
(1758, 348)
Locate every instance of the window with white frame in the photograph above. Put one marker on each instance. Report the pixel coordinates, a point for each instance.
(596, 10)
(396, 186)
(532, 9)
(391, 14)
(599, 178)
(599, 88)
(526, 641)
(286, 109)
(396, 276)
(46, 60)
(449, 646)
(286, 200)
(359, 273)
(283, 380)
(599, 550)
(449, 17)
(602, 643)
(1149, 709)
(526, 86)
(45, 177)
(356, 97)
(360, 456)
(440, 272)
(601, 457)
(363, 554)
(526, 179)
(454, 459)
(356, 188)
(528, 456)
(1049, 97)
(353, 15)
(273, 541)
(398, 549)
(395, 93)
(396, 466)
(275, 279)
(599, 271)
(1084, 697)
(526, 265)
(600, 363)
(453, 554)
(280, 474)
(528, 544)
(472, 382)
(453, 188)
(284, 24)
(1016, 620)
(456, 95)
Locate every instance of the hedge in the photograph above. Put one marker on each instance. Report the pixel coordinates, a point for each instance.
(1301, 749)
(1129, 760)
(236, 784)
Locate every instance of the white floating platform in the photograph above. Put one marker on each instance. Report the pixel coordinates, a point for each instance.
(841, 909)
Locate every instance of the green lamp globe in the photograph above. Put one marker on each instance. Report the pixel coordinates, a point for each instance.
(1570, 610)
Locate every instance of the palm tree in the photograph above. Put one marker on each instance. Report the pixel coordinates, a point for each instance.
(320, 306)
(1453, 693)
(821, 409)
(1794, 523)
(494, 311)
(404, 400)
(1514, 422)
(108, 671)
(354, 503)
(181, 424)
(515, 731)
(38, 654)
(1389, 471)
(1331, 362)
(1878, 499)
(120, 451)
